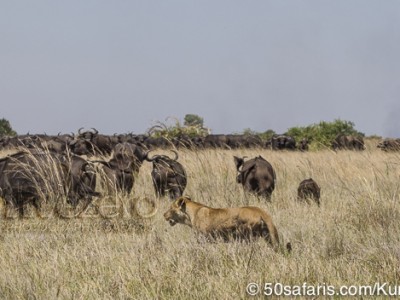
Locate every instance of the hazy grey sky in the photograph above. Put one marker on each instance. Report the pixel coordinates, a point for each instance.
(120, 66)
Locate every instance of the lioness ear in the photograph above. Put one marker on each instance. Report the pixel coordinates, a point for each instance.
(181, 203)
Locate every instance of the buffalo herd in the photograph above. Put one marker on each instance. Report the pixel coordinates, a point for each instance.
(74, 160)
(92, 143)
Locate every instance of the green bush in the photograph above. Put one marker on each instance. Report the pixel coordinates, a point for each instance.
(193, 120)
(5, 128)
(320, 135)
(177, 130)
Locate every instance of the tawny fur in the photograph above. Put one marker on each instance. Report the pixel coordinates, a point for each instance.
(242, 223)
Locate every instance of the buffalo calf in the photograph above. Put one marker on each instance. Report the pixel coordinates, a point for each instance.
(309, 189)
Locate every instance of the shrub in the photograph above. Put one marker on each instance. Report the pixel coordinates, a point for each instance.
(5, 128)
(320, 135)
(177, 130)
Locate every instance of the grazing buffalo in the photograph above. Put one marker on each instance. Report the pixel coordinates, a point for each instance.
(348, 142)
(169, 176)
(256, 175)
(309, 189)
(389, 145)
(123, 166)
(239, 223)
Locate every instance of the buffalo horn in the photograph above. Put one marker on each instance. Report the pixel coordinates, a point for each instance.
(146, 156)
(176, 154)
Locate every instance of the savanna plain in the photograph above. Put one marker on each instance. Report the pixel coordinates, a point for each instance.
(353, 238)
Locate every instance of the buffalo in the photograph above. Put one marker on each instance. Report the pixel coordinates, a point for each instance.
(348, 142)
(256, 175)
(187, 142)
(35, 176)
(281, 142)
(303, 144)
(123, 166)
(389, 145)
(309, 189)
(169, 176)
(232, 141)
(91, 143)
(235, 141)
(80, 178)
(216, 141)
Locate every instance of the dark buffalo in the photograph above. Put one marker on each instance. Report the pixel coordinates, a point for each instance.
(5, 142)
(216, 141)
(58, 143)
(232, 141)
(187, 142)
(303, 144)
(252, 140)
(169, 176)
(119, 175)
(80, 178)
(309, 189)
(157, 143)
(123, 166)
(348, 142)
(91, 143)
(22, 180)
(256, 175)
(35, 176)
(53, 143)
(389, 145)
(281, 142)
(235, 141)
(82, 147)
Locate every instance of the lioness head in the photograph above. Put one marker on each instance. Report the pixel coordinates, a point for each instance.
(177, 212)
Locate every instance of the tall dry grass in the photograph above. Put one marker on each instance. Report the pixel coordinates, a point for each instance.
(352, 238)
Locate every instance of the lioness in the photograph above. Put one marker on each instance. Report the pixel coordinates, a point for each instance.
(242, 223)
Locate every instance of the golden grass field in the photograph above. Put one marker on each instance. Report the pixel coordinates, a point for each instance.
(353, 238)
